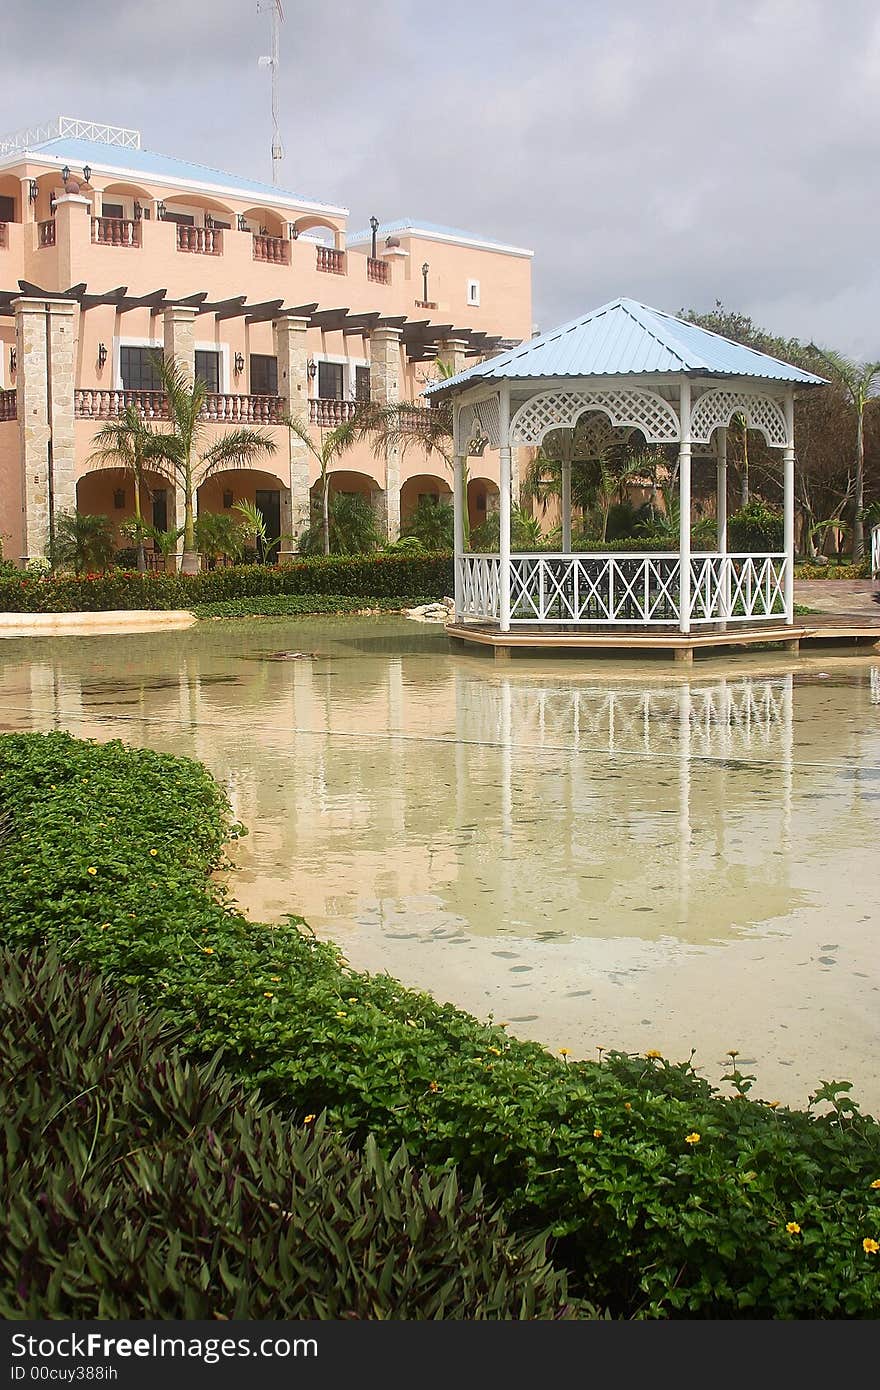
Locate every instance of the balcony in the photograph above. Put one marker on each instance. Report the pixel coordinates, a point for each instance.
(7, 405)
(330, 260)
(425, 304)
(274, 249)
(202, 241)
(378, 271)
(4, 236)
(414, 419)
(46, 233)
(220, 407)
(116, 231)
(330, 413)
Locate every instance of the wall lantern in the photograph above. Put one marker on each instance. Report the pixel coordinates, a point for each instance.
(242, 224)
(160, 210)
(239, 363)
(312, 368)
(425, 269)
(119, 498)
(292, 231)
(65, 173)
(138, 211)
(52, 201)
(32, 190)
(13, 361)
(374, 227)
(209, 221)
(87, 173)
(102, 354)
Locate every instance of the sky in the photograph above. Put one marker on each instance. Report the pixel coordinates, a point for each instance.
(674, 153)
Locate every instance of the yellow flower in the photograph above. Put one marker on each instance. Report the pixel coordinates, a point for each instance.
(652, 1054)
(876, 1182)
(267, 995)
(353, 999)
(496, 1051)
(154, 852)
(793, 1228)
(732, 1052)
(626, 1105)
(432, 1086)
(92, 870)
(104, 926)
(208, 950)
(597, 1134)
(870, 1246)
(563, 1052)
(309, 1119)
(692, 1138)
(773, 1104)
(275, 979)
(341, 1015)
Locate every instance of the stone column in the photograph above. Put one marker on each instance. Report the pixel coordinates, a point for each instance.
(179, 332)
(291, 350)
(451, 354)
(73, 235)
(45, 336)
(385, 390)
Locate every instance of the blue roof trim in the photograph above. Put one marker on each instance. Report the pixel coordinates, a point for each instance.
(162, 166)
(626, 338)
(434, 229)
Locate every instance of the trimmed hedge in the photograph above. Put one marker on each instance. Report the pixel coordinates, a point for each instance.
(401, 577)
(665, 1198)
(135, 1185)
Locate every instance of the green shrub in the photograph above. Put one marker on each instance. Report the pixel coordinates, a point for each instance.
(431, 523)
(353, 527)
(135, 1185)
(833, 571)
(82, 542)
(664, 1197)
(755, 528)
(362, 576)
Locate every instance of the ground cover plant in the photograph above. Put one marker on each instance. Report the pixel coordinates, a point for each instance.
(134, 1184)
(665, 1198)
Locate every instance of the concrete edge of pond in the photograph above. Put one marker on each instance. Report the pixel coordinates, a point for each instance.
(101, 624)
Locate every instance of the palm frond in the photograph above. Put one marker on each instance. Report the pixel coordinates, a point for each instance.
(236, 449)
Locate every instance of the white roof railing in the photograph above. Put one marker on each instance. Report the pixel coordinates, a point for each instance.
(74, 128)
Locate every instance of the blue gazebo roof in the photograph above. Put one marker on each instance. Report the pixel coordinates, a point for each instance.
(626, 338)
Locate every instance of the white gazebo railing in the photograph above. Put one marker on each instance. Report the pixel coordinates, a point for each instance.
(638, 590)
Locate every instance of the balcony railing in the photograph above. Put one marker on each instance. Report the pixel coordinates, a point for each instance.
(330, 413)
(243, 410)
(378, 271)
(46, 232)
(414, 418)
(96, 404)
(222, 407)
(7, 405)
(425, 304)
(203, 241)
(4, 236)
(116, 231)
(274, 249)
(330, 260)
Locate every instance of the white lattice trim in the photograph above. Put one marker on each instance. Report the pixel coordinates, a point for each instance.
(477, 422)
(553, 410)
(717, 407)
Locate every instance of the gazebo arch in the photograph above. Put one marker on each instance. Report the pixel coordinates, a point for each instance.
(679, 385)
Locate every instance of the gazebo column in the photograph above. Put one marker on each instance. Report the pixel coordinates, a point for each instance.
(788, 506)
(566, 506)
(721, 521)
(459, 502)
(684, 504)
(504, 510)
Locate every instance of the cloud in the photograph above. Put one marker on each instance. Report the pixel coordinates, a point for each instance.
(675, 154)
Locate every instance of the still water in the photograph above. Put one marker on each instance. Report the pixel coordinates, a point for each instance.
(601, 854)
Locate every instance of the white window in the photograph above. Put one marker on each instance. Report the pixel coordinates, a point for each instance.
(473, 291)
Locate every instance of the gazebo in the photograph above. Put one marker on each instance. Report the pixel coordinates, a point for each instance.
(633, 368)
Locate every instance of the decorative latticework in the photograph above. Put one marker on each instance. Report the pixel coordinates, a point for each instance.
(717, 407)
(479, 427)
(591, 436)
(630, 405)
(479, 579)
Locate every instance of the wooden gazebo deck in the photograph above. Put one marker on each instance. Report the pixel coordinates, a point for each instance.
(815, 629)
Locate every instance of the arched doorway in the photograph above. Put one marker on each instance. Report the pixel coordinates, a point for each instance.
(221, 493)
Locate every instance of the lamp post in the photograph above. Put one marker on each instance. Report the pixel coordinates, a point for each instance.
(374, 227)
(425, 269)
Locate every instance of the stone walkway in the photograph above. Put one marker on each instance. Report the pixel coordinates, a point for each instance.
(841, 598)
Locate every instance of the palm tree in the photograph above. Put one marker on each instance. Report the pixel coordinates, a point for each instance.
(596, 483)
(126, 444)
(334, 443)
(182, 453)
(861, 385)
(82, 542)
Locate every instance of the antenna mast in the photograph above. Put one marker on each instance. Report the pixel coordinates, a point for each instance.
(276, 19)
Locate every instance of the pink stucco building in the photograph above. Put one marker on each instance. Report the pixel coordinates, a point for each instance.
(109, 252)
